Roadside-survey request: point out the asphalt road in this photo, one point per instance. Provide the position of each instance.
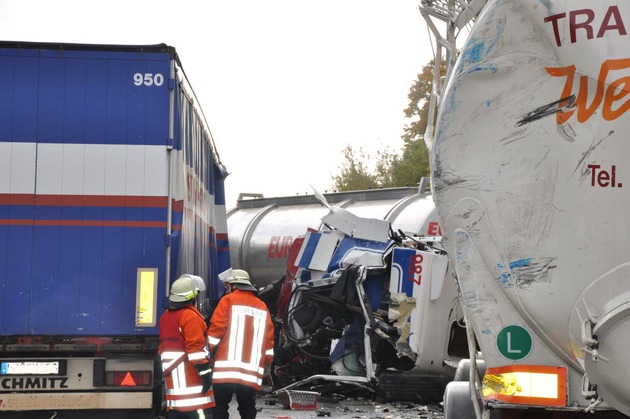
(271, 407)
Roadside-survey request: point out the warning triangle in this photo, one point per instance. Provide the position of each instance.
(128, 380)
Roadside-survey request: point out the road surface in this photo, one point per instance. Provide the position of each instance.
(270, 407)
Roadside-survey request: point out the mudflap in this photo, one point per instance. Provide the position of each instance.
(411, 386)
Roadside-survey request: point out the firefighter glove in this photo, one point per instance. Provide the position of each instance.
(205, 372)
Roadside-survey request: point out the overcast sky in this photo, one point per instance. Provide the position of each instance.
(284, 84)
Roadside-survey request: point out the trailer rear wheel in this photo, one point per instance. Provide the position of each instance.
(457, 401)
(462, 373)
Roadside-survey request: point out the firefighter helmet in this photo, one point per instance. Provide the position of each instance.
(186, 288)
(239, 275)
(240, 278)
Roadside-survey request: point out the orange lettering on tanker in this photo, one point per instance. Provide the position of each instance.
(609, 93)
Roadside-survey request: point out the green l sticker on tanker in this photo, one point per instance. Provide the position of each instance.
(514, 342)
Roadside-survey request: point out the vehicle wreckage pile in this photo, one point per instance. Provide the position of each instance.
(373, 306)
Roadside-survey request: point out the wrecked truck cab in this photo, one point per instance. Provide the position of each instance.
(369, 308)
(262, 230)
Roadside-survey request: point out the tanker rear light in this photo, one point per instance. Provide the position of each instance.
(128, 378)
(526, 384)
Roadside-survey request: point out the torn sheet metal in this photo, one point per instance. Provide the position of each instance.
(416, 280)
(316, 250)
(400, 311)
(320, 198)
(412, 266)
(358, 227)
(400, 308)
(353, 251)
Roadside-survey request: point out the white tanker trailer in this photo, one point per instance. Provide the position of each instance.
(529, 177)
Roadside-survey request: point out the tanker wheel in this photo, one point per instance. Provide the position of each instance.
(457, 401)
(462, 373)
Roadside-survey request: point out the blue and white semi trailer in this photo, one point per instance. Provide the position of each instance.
(110, 188)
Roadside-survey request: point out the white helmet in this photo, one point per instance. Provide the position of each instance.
(186, 288)
(241, 278)
(232, 275)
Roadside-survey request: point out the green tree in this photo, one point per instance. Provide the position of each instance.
(408, 169)
(414, 162)
(355, 174)
(393, 169)
(418, 107)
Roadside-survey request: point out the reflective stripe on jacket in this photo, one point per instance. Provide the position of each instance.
(183, 344)
(241, 327)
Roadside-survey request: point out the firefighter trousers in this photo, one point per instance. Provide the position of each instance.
(245, 396)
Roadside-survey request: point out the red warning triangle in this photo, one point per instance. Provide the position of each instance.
(128, 380)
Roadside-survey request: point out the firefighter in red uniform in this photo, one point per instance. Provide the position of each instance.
(241, 331)
(184, 352)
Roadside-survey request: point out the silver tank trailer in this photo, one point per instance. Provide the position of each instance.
(261, 230)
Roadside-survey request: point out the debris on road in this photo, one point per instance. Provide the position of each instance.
(339, 407)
